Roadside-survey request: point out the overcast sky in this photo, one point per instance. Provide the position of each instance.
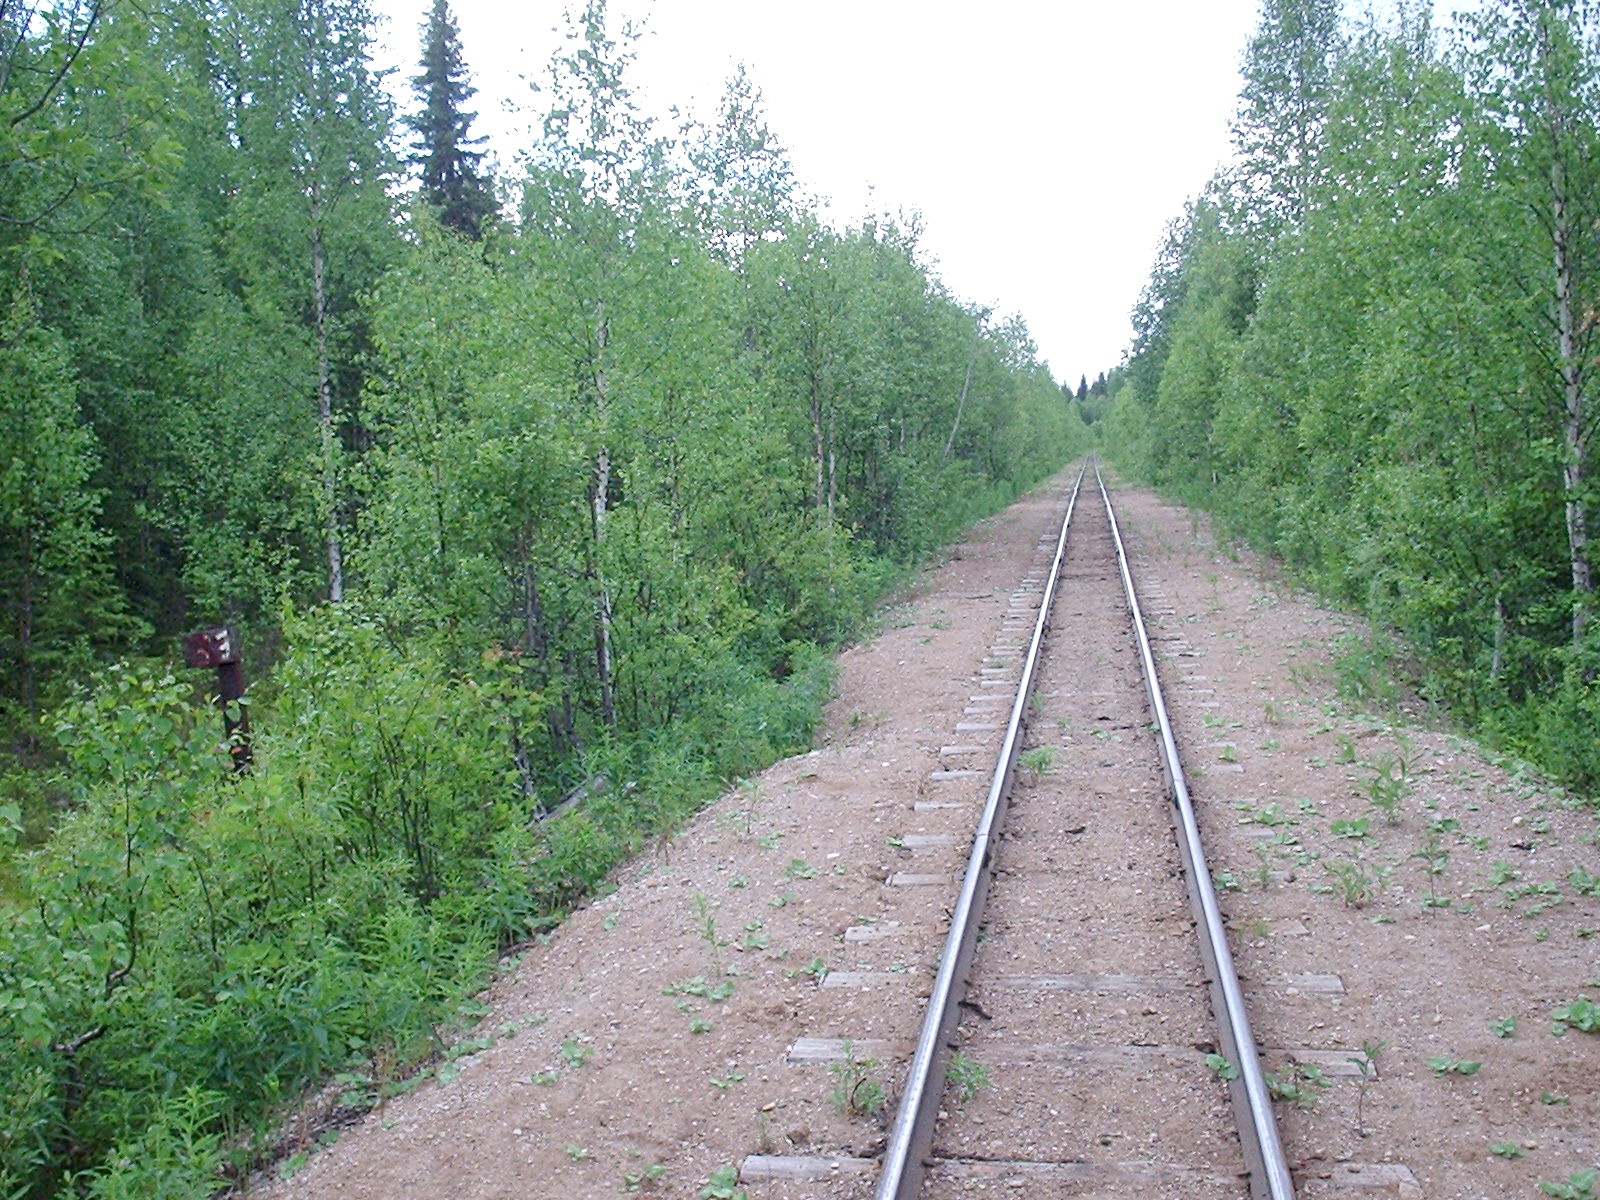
(1046, 144)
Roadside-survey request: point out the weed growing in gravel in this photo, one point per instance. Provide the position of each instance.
(724, 1185)
(1264, 857)
(1269, 815)
(967, 1076)
(1546, 896)
(699, 987)
(1219, 1066)
(799, 868)
(1389, 786)
(1507, 1150)
(1502, 873)
(1366, 1065)
(855, 1093)
(575, 1050)
(1435, 861)
(638, 1181)
(1577, 1186)
(1446, 1064)
(1036, 763)
(1582, 1014)
(1297, 1083)
(576, 1153)
(1504, 1027)
(727, 1081)
(1356, 880)
(705, 924)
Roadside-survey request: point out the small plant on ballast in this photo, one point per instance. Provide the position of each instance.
(1448, 1064)
(1222, 1067)
(1366, 1065)
(1583, 1014)
(705, 924)
(1356, 880)
(1036, 763)
(1389, 786)
(1298, 1083)
(724, 1185)
(855, 1093)
(1577, 1186)
(967, 1076)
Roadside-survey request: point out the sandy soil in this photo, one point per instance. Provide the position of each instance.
(697, 1014)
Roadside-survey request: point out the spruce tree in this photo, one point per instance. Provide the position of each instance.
(452, 180)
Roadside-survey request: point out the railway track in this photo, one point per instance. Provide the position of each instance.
(1088, 1007)
(1085, 1000)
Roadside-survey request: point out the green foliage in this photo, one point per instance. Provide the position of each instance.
(1363, 349)
(1446, 1064)
(1580, 1185)
(855, 1093)
(1297, 1083)
(724, 1185)
(1583, 1014)
(55, 569)
(967, 1076)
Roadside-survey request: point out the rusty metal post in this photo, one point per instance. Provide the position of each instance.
(219, 648)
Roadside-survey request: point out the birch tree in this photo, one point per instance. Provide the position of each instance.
(1538, 65)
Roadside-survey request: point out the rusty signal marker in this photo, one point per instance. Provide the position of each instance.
(219, 648)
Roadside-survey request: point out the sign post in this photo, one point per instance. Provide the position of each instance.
(219, 648)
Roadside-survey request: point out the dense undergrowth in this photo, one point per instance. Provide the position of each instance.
(199, 946)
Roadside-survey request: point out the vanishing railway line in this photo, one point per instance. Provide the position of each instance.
(1086, 960)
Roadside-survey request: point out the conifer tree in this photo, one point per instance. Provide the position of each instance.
(452, 180)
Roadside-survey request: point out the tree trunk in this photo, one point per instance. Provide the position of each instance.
(961, 404)
(1572, 467)
(597, 520)
(330, 474)
(1568, 355)
(818, 494)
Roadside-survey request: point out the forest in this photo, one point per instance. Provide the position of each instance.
(537, 499)
(1368, 347)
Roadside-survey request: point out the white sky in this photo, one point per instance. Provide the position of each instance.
(1046, 144)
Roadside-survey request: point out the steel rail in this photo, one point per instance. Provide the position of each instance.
(1258, 1130)
(911, 1136)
